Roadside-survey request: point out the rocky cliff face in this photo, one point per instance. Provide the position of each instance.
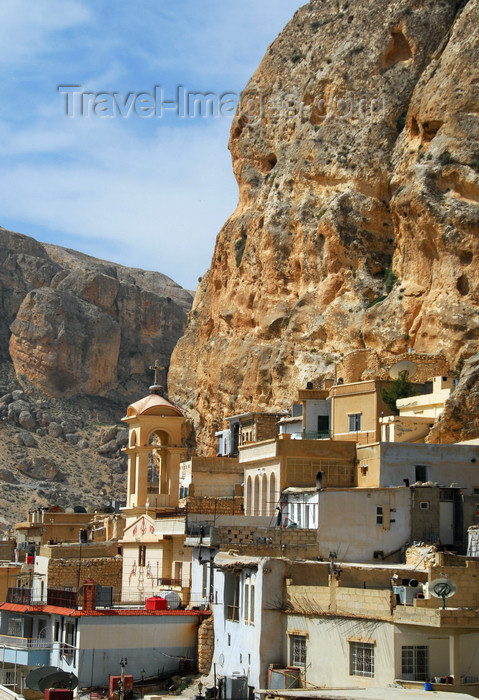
(72, 324)
(77, 336)
(356, 151)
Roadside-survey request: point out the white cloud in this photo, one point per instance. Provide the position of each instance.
(150, 193)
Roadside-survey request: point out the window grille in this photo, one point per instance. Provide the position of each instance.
(361, 659)
(298, 650)
(415, 663)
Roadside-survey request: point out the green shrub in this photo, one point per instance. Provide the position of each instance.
(446, 158)
(401, 388)
(240, 245)
(389, 279)
(375, 301)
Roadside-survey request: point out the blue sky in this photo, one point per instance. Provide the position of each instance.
(143, 191)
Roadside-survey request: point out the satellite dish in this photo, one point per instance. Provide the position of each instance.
(404, 367)
(50, 677)
(442, 588)
(59, 679)
(31, 681)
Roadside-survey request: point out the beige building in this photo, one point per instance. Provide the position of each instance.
(166, 498)
(155, 448)
(54, 524)
(273, 465)
(211, 477)
(356, 411)
(360, 626)
(417, 413)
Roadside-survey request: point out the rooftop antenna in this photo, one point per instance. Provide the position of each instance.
(442, 588)
(156, 387)
(406, 367)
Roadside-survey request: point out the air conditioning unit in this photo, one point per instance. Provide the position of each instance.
(236, 688)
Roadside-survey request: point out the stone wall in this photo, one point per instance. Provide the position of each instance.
(206, 645)
(366, 363)
(268, 542)
(106, 571)
(75, 551)
(232, 505)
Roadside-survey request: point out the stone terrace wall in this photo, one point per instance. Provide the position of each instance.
(206, 645)
(211, 505)
(268, 542)
(106, 571)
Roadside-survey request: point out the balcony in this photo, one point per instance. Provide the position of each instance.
(25, 651)
(55, 596)
(169, 581)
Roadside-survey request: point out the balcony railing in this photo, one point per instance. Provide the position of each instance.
(20, 596)
(62, 599)
(55, 596)
(169, 581)
(321, 435)
(24, 642)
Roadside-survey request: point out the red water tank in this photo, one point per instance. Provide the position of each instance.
(156, 603)
(114, 680)
(58, 694)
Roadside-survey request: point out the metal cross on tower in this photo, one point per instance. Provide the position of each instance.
(157, 387)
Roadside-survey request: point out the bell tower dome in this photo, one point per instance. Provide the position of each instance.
(155, 448)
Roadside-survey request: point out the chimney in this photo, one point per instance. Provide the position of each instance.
(89, 594)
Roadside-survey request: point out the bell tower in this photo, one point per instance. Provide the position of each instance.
(155, 448)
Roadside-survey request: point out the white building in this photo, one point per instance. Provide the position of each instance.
(247, 618)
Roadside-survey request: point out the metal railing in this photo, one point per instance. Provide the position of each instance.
(169, 581)
(55, 596)
(24, 642)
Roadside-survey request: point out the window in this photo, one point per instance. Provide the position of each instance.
(205, 579)
(421, 472)
(15, 627)
(415, 663)
(354, 422)
(141, 555)
(424, 505)
(323, 424)
(178, 573)
(248, 612)
(232, 584)
(379, 515)
(298, 650)
(361, 659)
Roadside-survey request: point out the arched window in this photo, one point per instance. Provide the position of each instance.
(264, 495)
(272, 494)
(256, 503)
(249, 496)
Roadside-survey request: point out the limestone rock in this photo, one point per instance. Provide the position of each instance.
(356, 151)
(27, 440)
(458, 421)
(55, 429)
(26, 420)
(39, 468)
(73, 324)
